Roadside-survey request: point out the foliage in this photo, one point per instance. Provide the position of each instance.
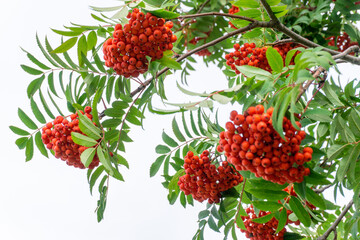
(295, 84)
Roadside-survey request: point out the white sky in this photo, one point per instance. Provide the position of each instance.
(45, 199)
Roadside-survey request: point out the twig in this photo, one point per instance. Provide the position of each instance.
(282, 28)
(202, 6)
(214, 42)
(269, 11)
(320, 190)
(216, 14)
(349, 50)
(332, 228)
(309, 82)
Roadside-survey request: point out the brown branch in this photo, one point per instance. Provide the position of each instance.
(349, 50)
(309, 82)
(320, 190)
(202, 6)
(269, 11)
(209, 44)
(216, 14)
(332, 228)
(282, 28)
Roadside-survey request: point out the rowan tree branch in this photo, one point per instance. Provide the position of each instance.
(216, 14)
(209, 44)
(298, 38)
(202, 6)
(332, 228)
(320, 190)
(269, 11)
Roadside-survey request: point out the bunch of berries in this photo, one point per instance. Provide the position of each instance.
(56, 135)
(204, 181)
(249, 54)
(251, 143)
(260, 231)
(343, 42)
(204, 52)
(233, 10)
(144, 35)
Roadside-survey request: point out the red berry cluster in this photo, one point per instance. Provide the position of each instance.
(204, 52)
(56, 135)
(251, 143)
(204, 181)
(144, 35)
(249, 54)
(233, 10)
(261, 231)
(343, 42)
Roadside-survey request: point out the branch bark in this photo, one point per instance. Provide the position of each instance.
(337, 221)
(214, 42)
(216, 14)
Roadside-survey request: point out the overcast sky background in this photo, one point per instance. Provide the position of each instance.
(46, 199)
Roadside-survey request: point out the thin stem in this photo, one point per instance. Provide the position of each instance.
(332, 228)
(241, 196)
(202, 6)
(320, 190)
(269, 11)
(216, 14)
(209, 44)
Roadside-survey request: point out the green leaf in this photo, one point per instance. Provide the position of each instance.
(282, 220)
(91, 40)
(68, 33)
(65, 46)
(133, 119)
(354, 122)
(177, 132)
(300, 212)
(315, 199)
(203, 214)
(46, 107)
(168, 140)
(162, 149)
(263, 219)
(83, 140)
(39, 116)
(87, 156)
(331, 95)
(267, 206)
(258, 73)
(246, 3)
(222, 99)
(289, 56)
(164, 14)
(95, 176)
(40, 144)
(26, 120)
(267, 194)
(31, 70)
(239, 222)
(29, 150)
(19, 131)
(318, 114)
(105, 161)
(275, 60)
(34, 86)
(156, 165)
(35, 61)
(21, 142)
(170, 63)
(292, 236)
(335, 150)
(212, 224)
(173, 184)
(345, 163)
(47, 56)
(88, 127)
